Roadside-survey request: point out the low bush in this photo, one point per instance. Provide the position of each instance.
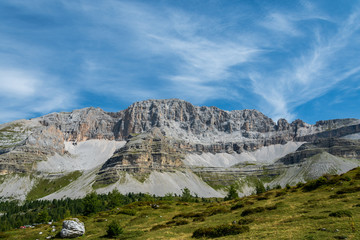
(130, 212)
(178, 222)
(336, 196)
(245, 221)
(348, 190)
(272, 207)
(114, 229)
(250, 211)
(159, 226)
(190, 215)
(260, 198)
(219, 231)
(281, 193)
(181, 222)
(345, 178)
(199, 219)
(237, 206)
(314, 184)
(341, 213)
(217, 210)
(100, 219)
(357, 176)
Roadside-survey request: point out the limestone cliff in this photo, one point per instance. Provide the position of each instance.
(196, 129)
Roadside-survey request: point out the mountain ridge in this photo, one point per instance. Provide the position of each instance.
(169, 134)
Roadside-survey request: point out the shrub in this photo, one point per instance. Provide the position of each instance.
(281, 193)
(345, 178)
(259, 188)
(245, 221)
(314, 184)
(199, 219)
(341, 213)
(335, 196)
(259, 198)
(181, 222)
(348, 190)
(219, 231)
(100, 219)
(114, 229)
(252, 211)
(237, 206)
(189, 215)
(232, 194)
(216, 210)
(130, 212)
(357, 176)
(272, 207)
(177, 223)
(186, 195)
(157, 227)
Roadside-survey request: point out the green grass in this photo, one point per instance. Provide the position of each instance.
(47, 186)
(293, 214)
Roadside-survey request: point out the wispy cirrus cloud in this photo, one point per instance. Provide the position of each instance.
(273, 57)
(193, 61)
(314, 71)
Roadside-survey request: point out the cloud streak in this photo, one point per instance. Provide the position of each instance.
(313, 73)
(57, 56)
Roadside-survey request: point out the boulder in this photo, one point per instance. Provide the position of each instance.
(72, 228)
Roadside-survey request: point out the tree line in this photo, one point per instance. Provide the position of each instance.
(14, 214)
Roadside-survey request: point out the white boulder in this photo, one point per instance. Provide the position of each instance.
(72, 228)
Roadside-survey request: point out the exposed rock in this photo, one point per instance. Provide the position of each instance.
(338, 147)
(160, 133)
(83, 124)
(72, 228)
(144, 152)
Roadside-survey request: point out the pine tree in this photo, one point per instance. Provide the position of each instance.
(232, 193)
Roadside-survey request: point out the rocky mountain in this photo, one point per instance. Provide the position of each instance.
(162, 146)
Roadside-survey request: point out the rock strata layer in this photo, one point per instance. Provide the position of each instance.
(182, 128)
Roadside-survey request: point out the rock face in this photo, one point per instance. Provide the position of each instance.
(161, 133)
(349, 149)
(72, 228)
(143, 153)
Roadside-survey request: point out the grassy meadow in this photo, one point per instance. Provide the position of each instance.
(327, 208)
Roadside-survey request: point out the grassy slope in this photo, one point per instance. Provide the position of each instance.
(46, 186)
(299, 215)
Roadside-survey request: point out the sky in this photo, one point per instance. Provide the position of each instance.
(287, 59)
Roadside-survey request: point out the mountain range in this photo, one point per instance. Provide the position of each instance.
(163, 146)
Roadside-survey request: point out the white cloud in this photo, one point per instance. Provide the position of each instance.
(200, 60)
(313, 73)
(17, 84)
(26, 93)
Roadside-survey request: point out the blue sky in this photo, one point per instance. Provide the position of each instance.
(287, 59)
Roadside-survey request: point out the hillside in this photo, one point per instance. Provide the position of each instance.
(327, 208)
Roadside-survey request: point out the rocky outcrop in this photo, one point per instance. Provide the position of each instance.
(349, 149)
(142, 153)
(83, 124)
(72, 228)
(341, 131)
